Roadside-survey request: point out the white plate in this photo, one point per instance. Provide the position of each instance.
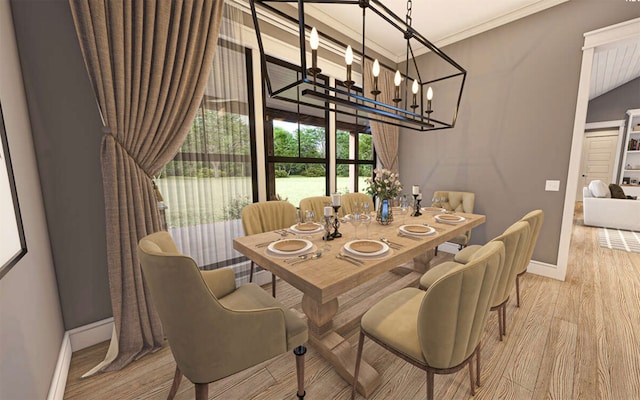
(433, 210)
(407, 229)
(449, 218)
(277, 245)
(319, 228)
(363, 242)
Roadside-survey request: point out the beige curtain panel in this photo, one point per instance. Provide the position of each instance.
(385, 136)
(148, 62)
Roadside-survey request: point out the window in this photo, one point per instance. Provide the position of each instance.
(213, 176)
(296, 142)
(355, 158)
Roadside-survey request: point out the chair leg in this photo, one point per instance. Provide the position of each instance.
(202, 391)
(499, 323)
(478, 366)
(504, 319)
(251, 271)
(177, 377)
(518, 290)
(300, 352)
(436, 252)
(429, 385)
(472, 383)
(357, 370)
(273, 285)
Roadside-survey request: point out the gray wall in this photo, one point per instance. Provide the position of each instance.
(66, 128)
(614, 104)
(516, 119)
(31, 327)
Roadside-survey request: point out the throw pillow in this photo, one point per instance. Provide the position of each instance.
(599, 189)
(616, 191)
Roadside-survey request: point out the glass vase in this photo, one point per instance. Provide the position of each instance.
(384, 212)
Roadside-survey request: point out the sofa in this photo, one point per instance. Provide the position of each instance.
(600, 209)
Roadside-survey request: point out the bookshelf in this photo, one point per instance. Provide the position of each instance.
(630, 171)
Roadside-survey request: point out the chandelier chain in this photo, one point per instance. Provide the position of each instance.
(409, 9)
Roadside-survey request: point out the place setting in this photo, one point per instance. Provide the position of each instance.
(449, 218)
(415, 231)
(359, 251)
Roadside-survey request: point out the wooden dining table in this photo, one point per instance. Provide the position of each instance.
(323, 279)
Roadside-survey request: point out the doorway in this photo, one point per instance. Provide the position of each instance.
(599, 155)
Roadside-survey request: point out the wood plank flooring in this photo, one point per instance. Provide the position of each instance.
(578, 339)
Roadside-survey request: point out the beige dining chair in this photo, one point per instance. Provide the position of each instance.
(535, 219)
(214, 328)
(438, 330)
(457, 202)
(265, 217)
(515, 239)
(316, 204)
(349, 201)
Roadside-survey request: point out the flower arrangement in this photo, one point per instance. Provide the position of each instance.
(385, 184)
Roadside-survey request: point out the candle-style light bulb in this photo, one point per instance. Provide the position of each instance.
(376, 68)
(375, 71)
(414, 90)
(314, 41)
(348, 58)
(429, 97)
(397, 80)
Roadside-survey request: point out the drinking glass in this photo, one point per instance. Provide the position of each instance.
(435, 201)
(366, 221)
(404, 205)
(309, 216)
(355, 220)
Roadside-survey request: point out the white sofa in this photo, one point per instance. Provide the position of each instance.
(610, 213)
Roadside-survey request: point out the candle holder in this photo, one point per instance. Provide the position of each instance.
(336, 223)
(416, 202)
(327, 229)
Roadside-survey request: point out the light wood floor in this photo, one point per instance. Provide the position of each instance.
(578, 339)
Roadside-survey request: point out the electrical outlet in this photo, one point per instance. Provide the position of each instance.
(552, 186)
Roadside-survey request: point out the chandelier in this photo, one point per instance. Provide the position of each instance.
(351, 77)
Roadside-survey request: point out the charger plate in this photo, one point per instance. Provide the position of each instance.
(417, 230)
(289, 247)
(367, 248)
(449, 218)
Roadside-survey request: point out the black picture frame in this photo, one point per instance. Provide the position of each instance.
(12, 250)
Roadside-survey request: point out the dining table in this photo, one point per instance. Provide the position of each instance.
(327, 269)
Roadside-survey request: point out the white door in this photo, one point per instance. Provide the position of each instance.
(598, 159)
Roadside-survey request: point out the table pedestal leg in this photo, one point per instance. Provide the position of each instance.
(422, 263)
(335, 348)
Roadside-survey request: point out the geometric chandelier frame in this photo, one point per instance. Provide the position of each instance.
(408, 103)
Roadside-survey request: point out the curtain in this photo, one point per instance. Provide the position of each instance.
(148, 63)
(385, 136)
(208, 182)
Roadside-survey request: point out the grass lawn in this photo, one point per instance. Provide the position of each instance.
(194, 201)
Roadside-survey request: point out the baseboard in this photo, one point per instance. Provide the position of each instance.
(74, 340)
(59, 380)
(88, 335)
(546, 270)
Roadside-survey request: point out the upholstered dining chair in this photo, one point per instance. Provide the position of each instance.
(515, 239)
(438, 330)
(535, 219)
(264, 217)
(315, 204)
(350, 200)
(457, 202)
(215, 329)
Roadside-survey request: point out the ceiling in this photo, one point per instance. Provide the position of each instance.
(447, 21)
(614, 65)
